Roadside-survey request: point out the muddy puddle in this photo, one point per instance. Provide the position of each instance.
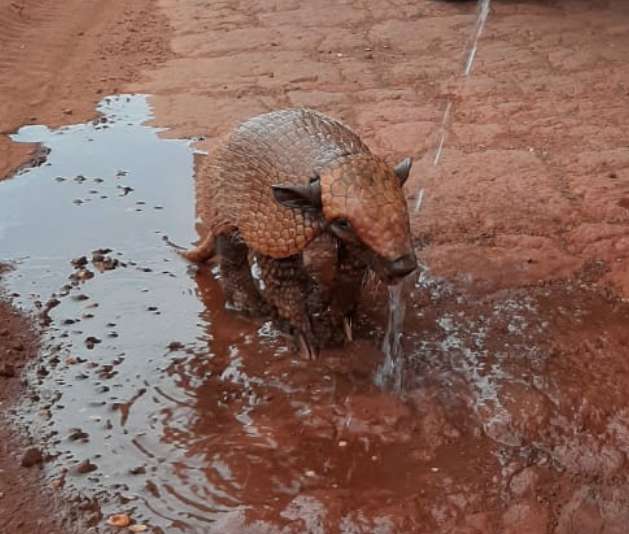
(155, 400)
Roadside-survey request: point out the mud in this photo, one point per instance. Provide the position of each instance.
(152, 400)
(27, 502)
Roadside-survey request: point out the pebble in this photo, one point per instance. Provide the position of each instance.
(91, 341)
(7, 371)
(32, 456)
(140, 470)
(77, 433)
(119, 520)
(86, 467)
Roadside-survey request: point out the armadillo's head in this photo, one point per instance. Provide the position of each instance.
(361, 200)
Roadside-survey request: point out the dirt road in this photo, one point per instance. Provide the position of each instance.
(516, 415)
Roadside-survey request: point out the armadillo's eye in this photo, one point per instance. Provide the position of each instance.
(343, 224)
(342, 228)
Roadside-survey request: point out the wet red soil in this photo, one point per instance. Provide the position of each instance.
(515, 418)
(27, 502)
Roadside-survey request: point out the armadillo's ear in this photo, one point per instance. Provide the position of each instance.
(403, 169)
(305, 197)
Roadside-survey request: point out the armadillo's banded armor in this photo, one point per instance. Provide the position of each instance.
(281, 147)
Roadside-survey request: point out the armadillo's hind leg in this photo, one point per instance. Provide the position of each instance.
(284, 284)
(202, 252)
(240, 292)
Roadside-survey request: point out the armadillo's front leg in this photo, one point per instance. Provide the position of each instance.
(350, 276)
(285, 284)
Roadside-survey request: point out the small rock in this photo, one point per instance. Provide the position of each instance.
(85, 274)
(119, 520)
(138, 528)
(7, 371)
(175, 345)
(86, 467)
(78, 434)
(91, 341)
(67, 111)
(32, 456)
(140, 470)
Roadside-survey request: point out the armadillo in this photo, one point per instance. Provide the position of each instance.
(286, 180)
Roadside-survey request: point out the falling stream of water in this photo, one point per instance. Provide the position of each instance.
(391, 372)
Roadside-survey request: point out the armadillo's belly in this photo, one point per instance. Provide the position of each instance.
(281, 147)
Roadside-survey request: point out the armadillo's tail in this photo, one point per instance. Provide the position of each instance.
(202, 252)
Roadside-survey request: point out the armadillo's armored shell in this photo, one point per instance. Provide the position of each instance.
(282, 147)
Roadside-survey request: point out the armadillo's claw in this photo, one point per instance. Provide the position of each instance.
(347, 326)
(307, 349)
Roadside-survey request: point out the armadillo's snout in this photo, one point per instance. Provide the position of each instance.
(401, 267)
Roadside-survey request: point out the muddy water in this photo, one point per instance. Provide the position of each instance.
(159, 402)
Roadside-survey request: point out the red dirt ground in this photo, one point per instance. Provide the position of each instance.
(22, 507)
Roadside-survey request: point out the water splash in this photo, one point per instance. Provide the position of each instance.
(470, 55)
(483, 13)
(390, 374)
